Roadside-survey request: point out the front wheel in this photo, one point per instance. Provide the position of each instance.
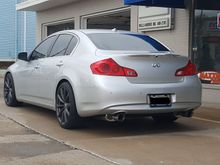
(66, 111)
(9, 91)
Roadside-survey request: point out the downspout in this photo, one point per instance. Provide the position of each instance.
(191, 28)
(16, 34)
(25, 31)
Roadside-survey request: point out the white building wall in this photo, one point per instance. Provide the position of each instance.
(178, 38)
(180, 34)
(75, 10)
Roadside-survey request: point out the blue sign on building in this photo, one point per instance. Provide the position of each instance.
(17, 30)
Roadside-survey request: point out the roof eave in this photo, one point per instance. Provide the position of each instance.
(38, 5)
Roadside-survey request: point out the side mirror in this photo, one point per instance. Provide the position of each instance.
(23, 56)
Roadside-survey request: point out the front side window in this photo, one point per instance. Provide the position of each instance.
(43, 49)
(61, 45)
(126, 42)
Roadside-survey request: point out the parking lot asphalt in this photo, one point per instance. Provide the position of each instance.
(189, 141)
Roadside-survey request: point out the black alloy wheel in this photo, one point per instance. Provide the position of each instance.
(66, 108)
(9, 91)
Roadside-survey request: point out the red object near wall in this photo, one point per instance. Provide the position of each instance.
(210, 77)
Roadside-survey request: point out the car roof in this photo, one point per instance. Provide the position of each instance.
(93, 31)
(107, 31)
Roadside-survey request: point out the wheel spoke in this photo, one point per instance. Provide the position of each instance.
(6, 84)
(65, 116)
(6, 92)
(62, 94)
(9, 97)
(60, 99)
(68, 105)
(67, 96)
(6, 89)
(60, 105)
(5, 95)
(67, 111)
(60, 111)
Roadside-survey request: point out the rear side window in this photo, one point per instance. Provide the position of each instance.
(61, 45)
(71, 46)
(126, 42)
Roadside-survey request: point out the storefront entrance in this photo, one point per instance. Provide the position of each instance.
(207, 45)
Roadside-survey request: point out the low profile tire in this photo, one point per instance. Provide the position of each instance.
(66, 111)
(164, 118)
(9, 92)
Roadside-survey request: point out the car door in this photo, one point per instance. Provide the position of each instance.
(51, 69)
(30, 72)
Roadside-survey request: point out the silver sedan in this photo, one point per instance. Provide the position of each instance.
(109, 73)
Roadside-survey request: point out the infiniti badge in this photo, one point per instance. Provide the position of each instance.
(156, 65)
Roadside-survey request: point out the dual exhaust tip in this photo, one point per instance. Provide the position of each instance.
(116, 117)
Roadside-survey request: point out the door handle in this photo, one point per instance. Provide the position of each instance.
(60, 64)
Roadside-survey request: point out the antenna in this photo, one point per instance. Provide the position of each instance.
(114, 30)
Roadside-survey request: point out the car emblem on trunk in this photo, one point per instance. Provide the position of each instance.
(156, 65)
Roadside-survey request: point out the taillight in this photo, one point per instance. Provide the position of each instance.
(109, 67)
(188, 70)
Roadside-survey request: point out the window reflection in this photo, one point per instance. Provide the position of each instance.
(207, 42)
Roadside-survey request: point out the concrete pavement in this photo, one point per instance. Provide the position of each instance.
(189, 141)
(22, 146)
(140, 141)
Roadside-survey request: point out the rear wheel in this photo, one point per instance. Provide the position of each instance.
(66, 111)
(164, 118)
(9, 91)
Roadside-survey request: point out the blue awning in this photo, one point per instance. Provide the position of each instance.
(199, 4)
(159, 3)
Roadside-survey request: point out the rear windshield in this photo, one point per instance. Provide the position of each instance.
(127, 42)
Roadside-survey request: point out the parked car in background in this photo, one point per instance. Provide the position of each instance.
(87, 73)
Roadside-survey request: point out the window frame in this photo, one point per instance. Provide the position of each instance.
(73, 35)
(77, 43)
(49, 54)
(83, 18)
(31, 55)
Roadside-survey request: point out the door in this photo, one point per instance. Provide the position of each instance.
(51, 68)
(30, 72)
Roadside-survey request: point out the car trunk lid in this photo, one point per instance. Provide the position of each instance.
(150, 67)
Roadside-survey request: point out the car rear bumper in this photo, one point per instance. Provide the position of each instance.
(146, 109)
(108, 97)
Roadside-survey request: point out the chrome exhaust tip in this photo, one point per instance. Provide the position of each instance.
(120, 116)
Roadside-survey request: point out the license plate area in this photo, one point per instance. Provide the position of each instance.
(160, 100)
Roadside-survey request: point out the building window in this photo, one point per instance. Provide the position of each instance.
(207, 46)
(58, 27)
(119, 19)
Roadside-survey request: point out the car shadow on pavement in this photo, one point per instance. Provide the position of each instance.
(130, 127)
